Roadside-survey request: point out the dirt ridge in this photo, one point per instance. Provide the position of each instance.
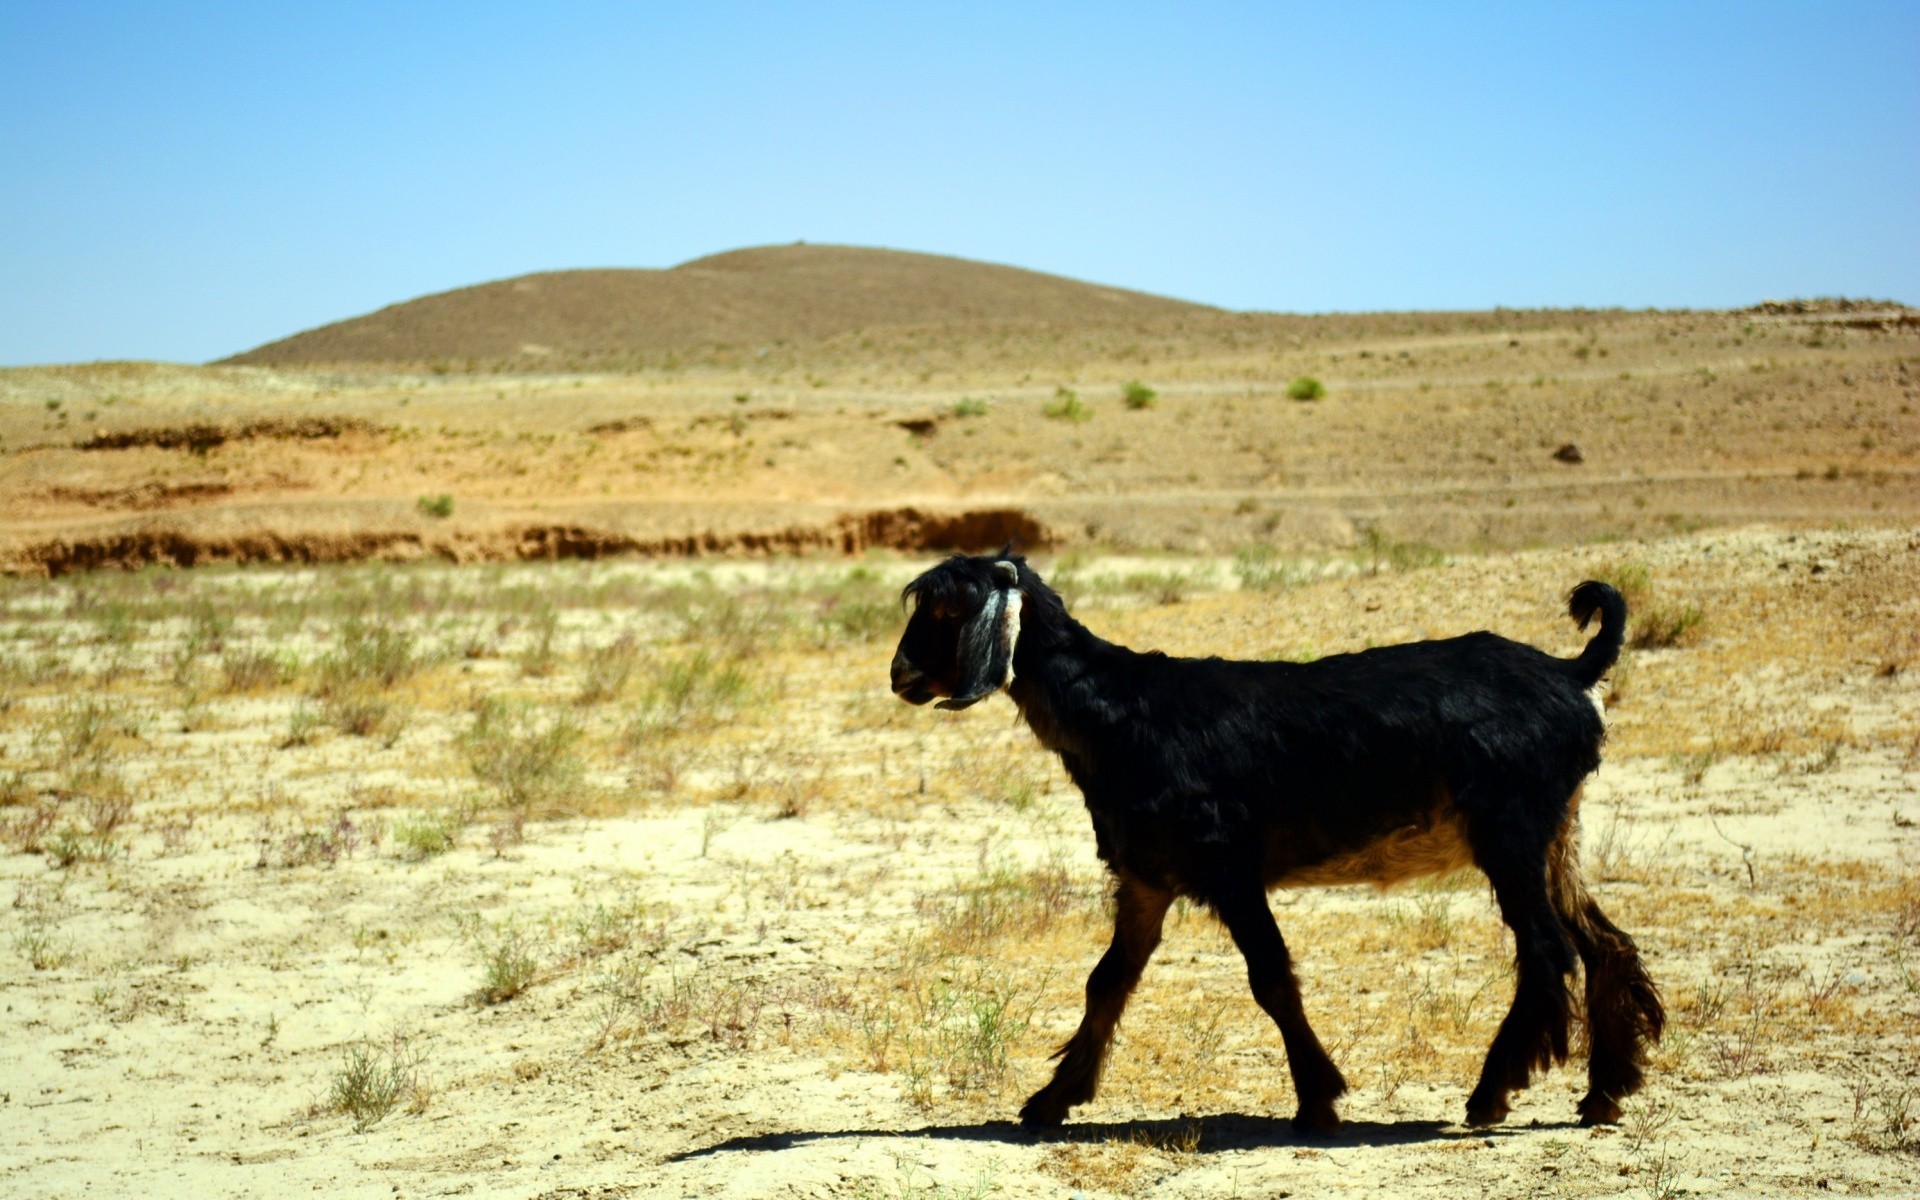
(201, 436)
(910, 529)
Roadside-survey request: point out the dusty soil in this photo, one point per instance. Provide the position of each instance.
(629, 878)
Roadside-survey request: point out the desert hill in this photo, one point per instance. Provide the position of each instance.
(750, 298)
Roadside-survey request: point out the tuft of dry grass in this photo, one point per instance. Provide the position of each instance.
(376, 1077)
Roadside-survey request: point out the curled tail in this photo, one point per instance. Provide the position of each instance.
(1601, 653)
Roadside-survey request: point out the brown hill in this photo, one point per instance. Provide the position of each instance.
(755, 297)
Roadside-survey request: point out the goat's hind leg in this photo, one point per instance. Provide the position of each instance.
(1139, 913)
(1534, 1034)
(1316, 1081)
(1623, 1008)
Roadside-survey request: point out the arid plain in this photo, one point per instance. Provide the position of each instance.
(509, 800)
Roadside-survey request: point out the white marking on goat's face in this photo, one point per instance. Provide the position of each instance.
(1010, 633)
(1010, 622)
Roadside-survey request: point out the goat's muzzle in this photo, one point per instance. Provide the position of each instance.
(909, 682)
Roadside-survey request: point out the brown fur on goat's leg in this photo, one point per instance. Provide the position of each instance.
(1139, 913)
(1534, 1034)
(1623, 1008)
(1316, 1081)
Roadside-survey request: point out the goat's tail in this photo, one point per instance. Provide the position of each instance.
(1601, 653)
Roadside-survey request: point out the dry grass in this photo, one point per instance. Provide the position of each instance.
(731, 856)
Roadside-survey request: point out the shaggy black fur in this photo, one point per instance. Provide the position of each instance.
(1218, 779)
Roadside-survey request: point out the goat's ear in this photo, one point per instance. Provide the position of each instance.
(983, 657)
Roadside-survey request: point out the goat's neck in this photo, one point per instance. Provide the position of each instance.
(1056, 667)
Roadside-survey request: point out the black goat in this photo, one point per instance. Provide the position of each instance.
(1219, 780)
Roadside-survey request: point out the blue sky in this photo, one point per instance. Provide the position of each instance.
(186, 181)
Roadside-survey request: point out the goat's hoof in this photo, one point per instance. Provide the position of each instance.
(1317, 1119)
(1487, 1112)
(1042, 1113)
(1596, 1109)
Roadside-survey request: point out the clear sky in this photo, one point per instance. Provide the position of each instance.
(184, 181)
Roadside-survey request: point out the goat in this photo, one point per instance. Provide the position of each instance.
(1219, 780)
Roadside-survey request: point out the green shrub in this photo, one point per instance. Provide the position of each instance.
(439, 507)
(1306, 387)
(1262, 568)
(1066, 405)
(540, 657)
(1663, 626)
(1632, 580)
(368, 653)
(422, 835)
(970, 407)
(254, 670)
(609, 670)
(1385, 551)
(1138, 395)
(528, 764)
(507, 963)
(373, 1080)
(364, 712)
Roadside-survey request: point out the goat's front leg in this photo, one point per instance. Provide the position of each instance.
(1316, 1081)
(1139, 912)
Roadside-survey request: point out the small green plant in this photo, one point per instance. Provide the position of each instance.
(91, 730)
(41, 947)
(859, 608)
(542, 654)
(1428, 921)
(423, 835)
(1384, 551)
(1264, 569)
(255, 670)
(609, 670)
(529, 765)
(1306, 387)
(68, 845)
(374, 1079)
(364, 712)
(1633, 580)
(1066, 405)
(369, 653)
(1139, 396)
(1662, 627)
(304, 724)
(697, 691)
(969, 406)
(438, 507)
(507, 963)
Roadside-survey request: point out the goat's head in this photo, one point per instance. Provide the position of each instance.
(959, 641)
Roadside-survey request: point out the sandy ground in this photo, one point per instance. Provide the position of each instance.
(784, 936)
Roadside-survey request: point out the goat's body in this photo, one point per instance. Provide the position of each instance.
(1220, 780)
(1358, 768)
